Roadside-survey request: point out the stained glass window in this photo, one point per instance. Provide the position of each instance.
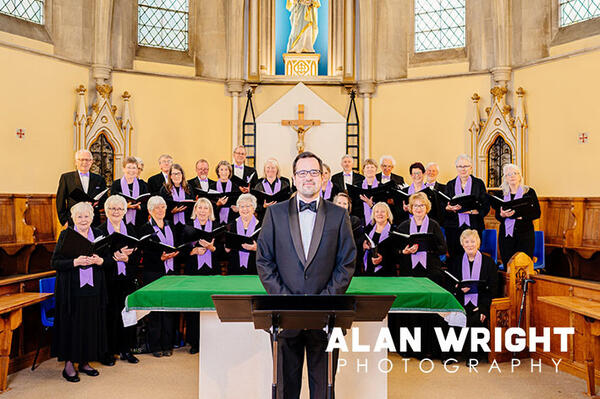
(439, 24)
(573, 11)
(498, 155)
(163, 24)
(30, 10)
(104, 159)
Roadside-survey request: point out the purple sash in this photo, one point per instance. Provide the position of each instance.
(419, 256)
(463, 218)
(178, 195)
(412, 189)
(384, 234)
(468, 274)
(130, 215)
(509, 223)
(224, 211)
(328, 187)
(268, 189)
(205, 259)
(166, 239)
(366, 209)
(121, 269)
(245, 255)
(86, 276)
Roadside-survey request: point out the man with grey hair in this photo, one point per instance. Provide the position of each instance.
(155, 183)
(90, 183)
(387, 164)
(432, 171)
(347, 175)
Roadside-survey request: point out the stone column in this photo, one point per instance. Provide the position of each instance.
(267, 38)
(349, 24)
(101, 66)
(366, 75)
(253, 41)
(501, 72)
(235, 60)
(366, 90)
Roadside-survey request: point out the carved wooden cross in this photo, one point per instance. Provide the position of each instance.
(299, 126)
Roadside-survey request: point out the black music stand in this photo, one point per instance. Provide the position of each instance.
(297, 312)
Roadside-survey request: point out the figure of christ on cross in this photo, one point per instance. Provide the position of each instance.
(301, 126)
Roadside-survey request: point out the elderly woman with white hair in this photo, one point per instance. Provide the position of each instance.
(243, 261)
(385, 261)
(80, 323)
(456, 220)
(156, 263)
(516, 233)
(120, 281)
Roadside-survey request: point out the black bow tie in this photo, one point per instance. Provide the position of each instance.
(311, 206)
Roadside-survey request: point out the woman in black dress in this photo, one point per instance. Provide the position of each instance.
(80, 323)
(176, 189)
(385, 261)
(132, 186)
(516, 234)
(343, 200)
(224, 212)
(328, 190)
(271, 183)
(243, 261)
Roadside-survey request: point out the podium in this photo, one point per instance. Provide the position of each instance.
(295, 312)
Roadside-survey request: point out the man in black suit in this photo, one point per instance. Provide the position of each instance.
(387, 164)
(91, 184)
(246, 173)
(347, 175)
(201, 182)
(305, 247)
(155, 183)
(431, 173)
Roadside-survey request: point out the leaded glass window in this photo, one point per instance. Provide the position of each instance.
(30, 10)
(573, 11)
(104, 158)
(498, 155)
(163, 24)
(439, 24)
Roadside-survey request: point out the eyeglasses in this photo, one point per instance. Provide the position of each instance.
(85, 160)
(313, 172)
(239, 153)
(175, 173)
(419, 206)
(115, 209)
(463, 166)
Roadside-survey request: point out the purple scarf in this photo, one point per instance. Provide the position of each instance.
(268, 189)
(366, 209)
(166, 238)
(130, 215)
(86, 276)
(224, 211)
(412, 190)
(205, 259)
(463, 218)
(245, 255)
(121, 269)
(419, 256)
(384, 234)
(328, 187)
(468, 274)
(509, 223)
(178, 195)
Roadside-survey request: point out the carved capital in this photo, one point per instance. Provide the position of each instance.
(501, 75)
(101, 73)
(366, 87)
(235, 87)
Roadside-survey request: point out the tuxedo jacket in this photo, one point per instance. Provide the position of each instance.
(195, 184)
(280, 260)
(249, 171)
(399, 180)
(155, 183)
(70, 181)
(338, 180)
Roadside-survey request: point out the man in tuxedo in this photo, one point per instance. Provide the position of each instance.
(201, 182)
(155, 183)
(387, 164)
(431, 173)
(305, 247)
(347, 175)
(246, 173)
(90, 183)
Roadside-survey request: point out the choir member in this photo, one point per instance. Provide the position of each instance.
(80, 322)
(417, 174)
(202, 261)
(201, 181)
(244, 261)
(432, 171)
(456, 221)
(155, 183)
(241, 170)
(328, 190)
(140, 164)
(363, 211)
(343, 200)
(131, 186)
(516, 234)
(161, 325)
(387, 164)
(347, 175)
(119, 271)
(91, 184)
(271, 183)
(379, 228)
(177, 189)
(225, 185)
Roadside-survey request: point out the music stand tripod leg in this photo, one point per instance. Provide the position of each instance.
(330, 325)
(274, 333)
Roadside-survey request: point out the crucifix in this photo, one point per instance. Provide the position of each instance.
(301, 126)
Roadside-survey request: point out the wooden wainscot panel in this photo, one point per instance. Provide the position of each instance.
(557, 219)
(40, 215)
(8, 233)
(591, 224)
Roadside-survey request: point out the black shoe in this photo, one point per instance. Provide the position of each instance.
(91, 372)
(74, 378)
(129, 357)
(193, 350)
(168, 352)
(108, 360)
(157, 354)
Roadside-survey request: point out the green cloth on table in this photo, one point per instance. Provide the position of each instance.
(193, 293)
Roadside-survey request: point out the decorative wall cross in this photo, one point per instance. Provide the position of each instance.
(301, 126)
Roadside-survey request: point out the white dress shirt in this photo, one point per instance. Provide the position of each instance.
(385, 179)
(85, 181)
(203, 184)
(237, 171)
(347, 179)
(306, 220)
